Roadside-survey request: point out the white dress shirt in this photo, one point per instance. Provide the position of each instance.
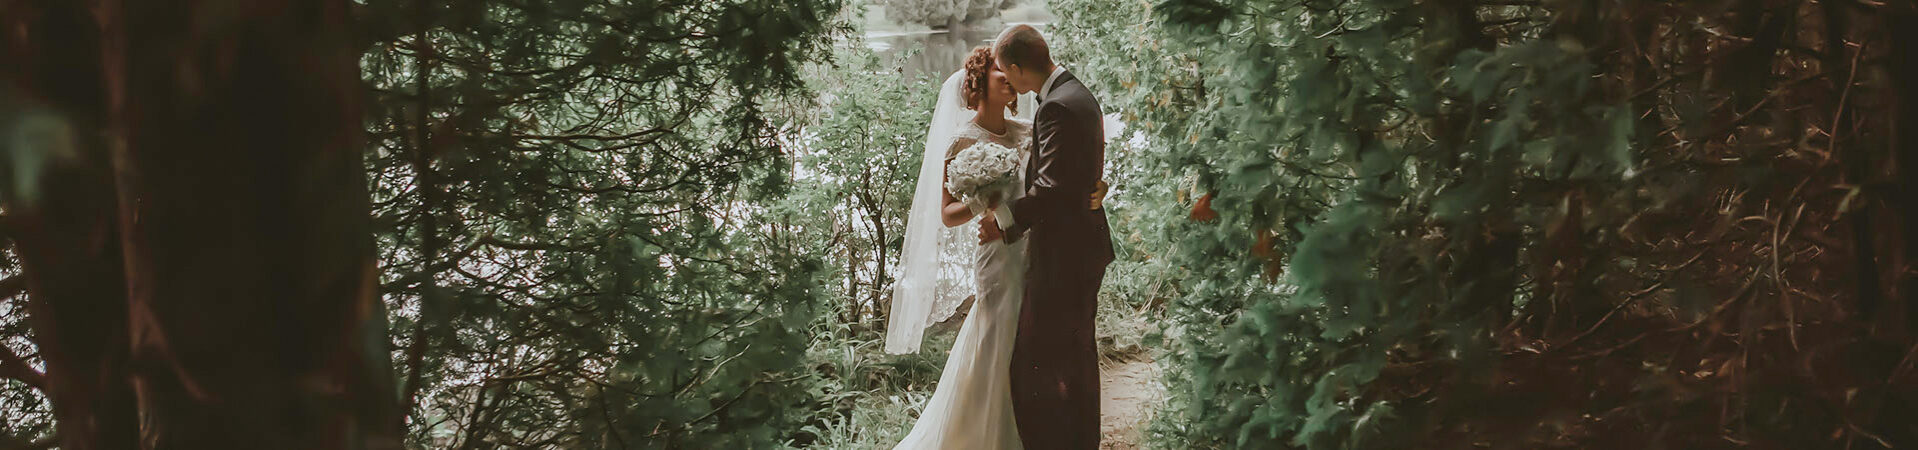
(1047, 88)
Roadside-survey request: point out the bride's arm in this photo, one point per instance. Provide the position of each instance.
(953, 212)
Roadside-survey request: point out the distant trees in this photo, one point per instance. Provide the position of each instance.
(856, 169)
(944, 13)
(575, 205)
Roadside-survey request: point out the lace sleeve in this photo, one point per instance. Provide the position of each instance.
(1020, 126)
(955, 282)
(959, 144)
(1019, 131)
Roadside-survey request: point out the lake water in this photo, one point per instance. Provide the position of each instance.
(945, 51)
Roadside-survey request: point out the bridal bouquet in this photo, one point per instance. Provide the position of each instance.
(982, 173)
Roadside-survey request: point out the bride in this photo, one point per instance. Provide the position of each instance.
(972, 406)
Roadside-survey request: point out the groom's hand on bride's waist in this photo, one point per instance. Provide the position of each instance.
(1098, 196)
(989, 229)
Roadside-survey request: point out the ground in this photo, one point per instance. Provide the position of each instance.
(1131, 392)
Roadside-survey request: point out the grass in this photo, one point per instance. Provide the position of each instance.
(1131, 310)
(868, 398)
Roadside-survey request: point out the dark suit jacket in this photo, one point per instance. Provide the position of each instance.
(1054, 367)
(1068, 160)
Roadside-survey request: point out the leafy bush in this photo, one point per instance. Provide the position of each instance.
(577, 218)
(1515, 224)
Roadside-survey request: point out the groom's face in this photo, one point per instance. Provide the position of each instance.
(1020, 78)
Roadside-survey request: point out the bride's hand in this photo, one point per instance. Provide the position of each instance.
(989, 230)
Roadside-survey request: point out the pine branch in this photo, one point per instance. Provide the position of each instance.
(12, 366)
(12, 286)
(21, 443)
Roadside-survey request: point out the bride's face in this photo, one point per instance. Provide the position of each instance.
(998, 90)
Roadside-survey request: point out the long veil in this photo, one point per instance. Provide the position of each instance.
(933, 266)
(936, 265)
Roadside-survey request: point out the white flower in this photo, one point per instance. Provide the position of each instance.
(982, 172)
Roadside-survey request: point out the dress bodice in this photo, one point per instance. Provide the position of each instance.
(1018, 136)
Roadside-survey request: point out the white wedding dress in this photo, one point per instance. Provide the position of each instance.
(972, 406)
(939, 267)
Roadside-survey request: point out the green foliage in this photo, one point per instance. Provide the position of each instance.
(861, 144)
(573, 200)
(34, 141)
(1359, 224)
(857, 161)
(28, 416)
(866, 398)
(1459, 224)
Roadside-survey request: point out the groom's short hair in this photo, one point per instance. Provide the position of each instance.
(1022, 45)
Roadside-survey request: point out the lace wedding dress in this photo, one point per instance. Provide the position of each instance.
(972, 406)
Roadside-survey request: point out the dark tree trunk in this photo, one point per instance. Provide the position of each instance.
(236, 134)
(1840, 69)
(879, 267)
(852, 285)
(430, 200)
(61, 220)
(1902, 59)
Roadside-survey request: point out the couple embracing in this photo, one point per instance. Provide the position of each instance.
(1023, 371)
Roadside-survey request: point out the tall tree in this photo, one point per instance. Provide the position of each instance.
(573, 200)
(60, 220)
(254, 313)
(219, 284)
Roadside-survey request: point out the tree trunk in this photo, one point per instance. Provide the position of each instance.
(1902, 59)
(879, 264)
(254, 318)
(430, 199)
(61, 219)
(852, 285)
(1839, 67)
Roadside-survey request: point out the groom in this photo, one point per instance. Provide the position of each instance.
(1055, 363)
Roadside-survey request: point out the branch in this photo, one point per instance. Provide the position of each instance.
(594, 137)
(21, 443)
(12, 286)
(14, 367)
(1629, 299)
(491, 241)
(429, 270)
(374, 28)
(722, 407)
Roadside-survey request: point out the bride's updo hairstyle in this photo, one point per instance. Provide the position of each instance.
(979, 66)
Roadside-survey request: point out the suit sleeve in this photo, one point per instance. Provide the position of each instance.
(1060, 179)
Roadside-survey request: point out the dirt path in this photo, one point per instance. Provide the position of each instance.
(1132, 393)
